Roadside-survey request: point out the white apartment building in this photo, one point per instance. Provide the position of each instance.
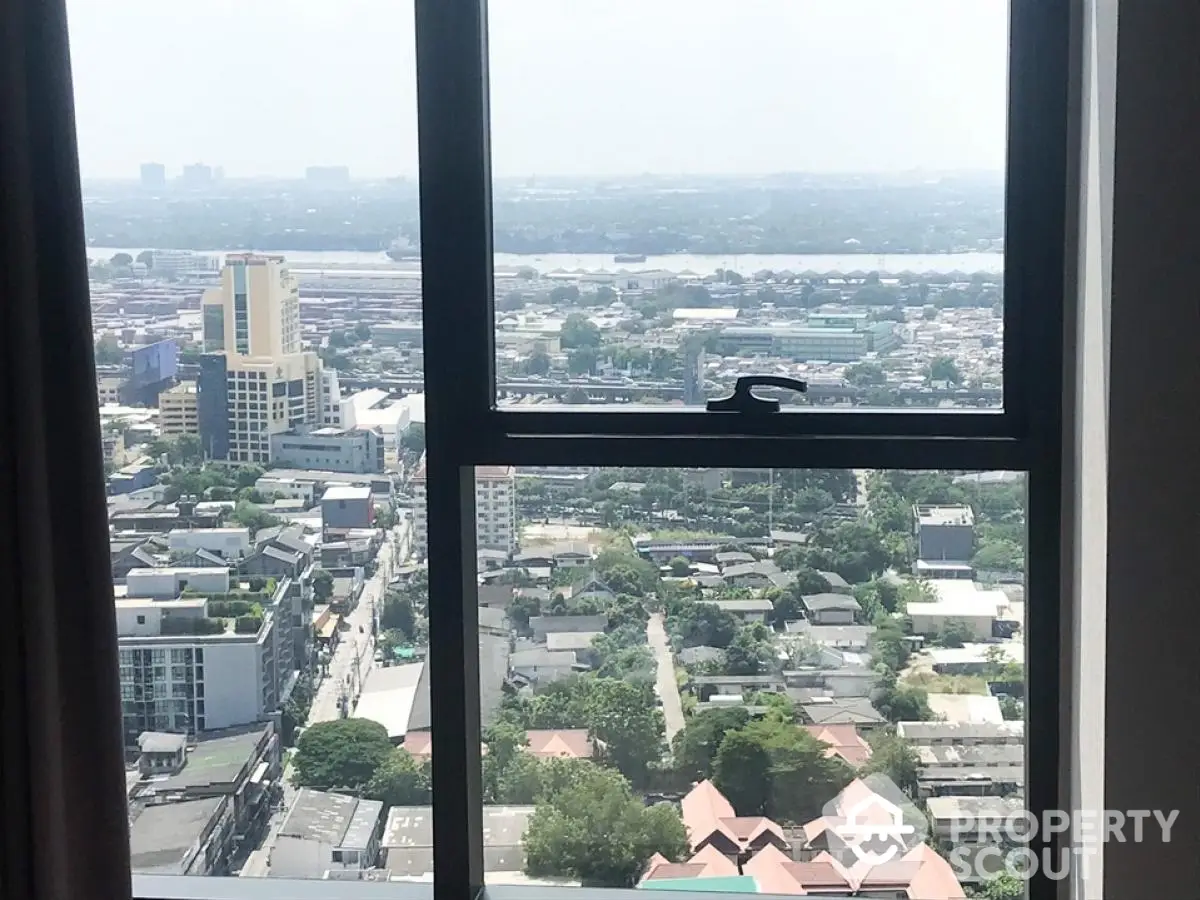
(495, 509)
(179, 410)
(176, 678)
(266, 384)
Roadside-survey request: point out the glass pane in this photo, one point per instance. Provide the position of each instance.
(811, 189)
(719, 665)
(260, 515)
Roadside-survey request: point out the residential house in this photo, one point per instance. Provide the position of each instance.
(750, 574)
(856, 711)
(748, 611)
(830, 609)
(589, 586)
(323, 832)
(571, 555)
(711, 821)
(854, 638)
(497, 596)
(962, 734)
(539, 666)
(843, 741)
(837, 583)
(544, 625)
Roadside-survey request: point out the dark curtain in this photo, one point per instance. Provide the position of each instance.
(63, 825)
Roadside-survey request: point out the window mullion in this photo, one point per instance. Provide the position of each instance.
(456, 263)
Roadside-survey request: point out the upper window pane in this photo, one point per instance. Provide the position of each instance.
(686, 192)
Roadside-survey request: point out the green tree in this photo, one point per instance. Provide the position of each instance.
(703, 625)
(505, 742)
(521, 609)
(576, 396)
(864, 374)
(955, 633)
(108, 351)
(750, 652)
(400, 780)
(894, 757)
(695, 748)
(564, 293)
(343, 753)
(322, 584)
(538, 362)
(362, 331)
(121, 261)
(889, 648)
(146, 258)
(578, 331)
(252, 516)
(680, 567)
(1004, 886)
(899, 703)
(943, 369)
(742, 772)
(599, 833)
(582, 361)
(398, 614)
(385, 517)
(510, 302)
(626, 718)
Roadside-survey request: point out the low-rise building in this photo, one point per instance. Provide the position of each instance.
(352, 450)
(347, 506)
(326, 832)
(185, 671)
(169, 582)
(199, 806)
(407, 846)
(228, 543)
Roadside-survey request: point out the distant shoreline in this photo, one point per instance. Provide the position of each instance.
(967, 262)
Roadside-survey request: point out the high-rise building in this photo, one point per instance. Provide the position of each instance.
(196, 175)
(495, 509)
(154, 175)
(254, 380)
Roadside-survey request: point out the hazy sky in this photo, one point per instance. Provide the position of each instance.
(266, 87)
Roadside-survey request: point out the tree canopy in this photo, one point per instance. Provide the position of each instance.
(401, 780)
(343, 753)
(597, 831)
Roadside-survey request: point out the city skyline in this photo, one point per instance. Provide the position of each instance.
(921, 88)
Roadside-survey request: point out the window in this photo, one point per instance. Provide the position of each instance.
(568, 330)
(479, 414)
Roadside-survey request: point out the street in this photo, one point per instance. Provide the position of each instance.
(665, 684)
(354, 655)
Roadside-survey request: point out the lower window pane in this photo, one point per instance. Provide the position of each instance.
(703, 679)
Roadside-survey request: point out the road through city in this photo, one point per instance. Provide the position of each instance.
(665, 684)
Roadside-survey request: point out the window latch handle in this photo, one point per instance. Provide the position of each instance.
(743, 400)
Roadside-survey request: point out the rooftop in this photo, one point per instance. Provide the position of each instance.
(944, 515)
(162, 835)
(333, 819)
(346, 492)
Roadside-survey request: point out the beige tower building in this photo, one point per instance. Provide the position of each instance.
(255, 381)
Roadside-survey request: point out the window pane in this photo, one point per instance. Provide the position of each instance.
(810, 189)
(705, 661)
(235, 333)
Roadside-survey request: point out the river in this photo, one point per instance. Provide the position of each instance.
(701, 264)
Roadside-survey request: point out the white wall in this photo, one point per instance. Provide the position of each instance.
(165, 583)
(227, 542)
(232, 683)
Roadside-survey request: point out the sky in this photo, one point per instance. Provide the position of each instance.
(578, 87)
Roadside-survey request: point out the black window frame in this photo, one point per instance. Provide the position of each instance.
(464, 429)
